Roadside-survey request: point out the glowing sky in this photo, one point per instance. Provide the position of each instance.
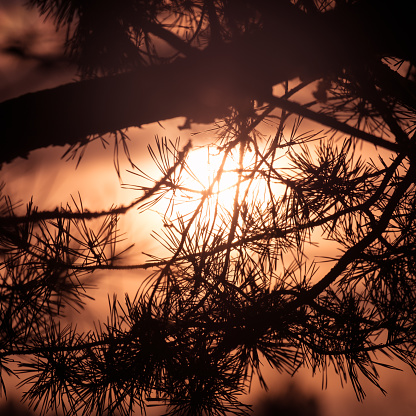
(52, 181)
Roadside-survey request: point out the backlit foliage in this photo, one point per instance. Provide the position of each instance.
(237, 287)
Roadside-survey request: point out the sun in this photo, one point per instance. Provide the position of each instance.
(209, 176)
(213, 175)
(212, 184)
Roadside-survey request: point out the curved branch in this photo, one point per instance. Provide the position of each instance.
(203, 86)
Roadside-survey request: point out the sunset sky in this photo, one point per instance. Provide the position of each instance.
(53, 181)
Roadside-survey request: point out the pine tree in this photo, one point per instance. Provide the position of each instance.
(237, 288)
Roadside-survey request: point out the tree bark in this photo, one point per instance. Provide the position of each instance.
(203, 86)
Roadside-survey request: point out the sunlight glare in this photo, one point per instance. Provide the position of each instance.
(203, 167)
(210, 172)
(208, 182)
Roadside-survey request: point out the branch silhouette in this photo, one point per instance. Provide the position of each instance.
(134, 98)
(236, 286)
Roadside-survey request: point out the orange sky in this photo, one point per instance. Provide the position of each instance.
(52, 181)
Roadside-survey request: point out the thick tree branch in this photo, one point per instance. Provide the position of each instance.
(200, 87)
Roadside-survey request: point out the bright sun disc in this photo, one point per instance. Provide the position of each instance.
(204, 166)
(214, 178)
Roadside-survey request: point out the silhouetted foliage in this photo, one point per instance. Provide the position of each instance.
(237, 288)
